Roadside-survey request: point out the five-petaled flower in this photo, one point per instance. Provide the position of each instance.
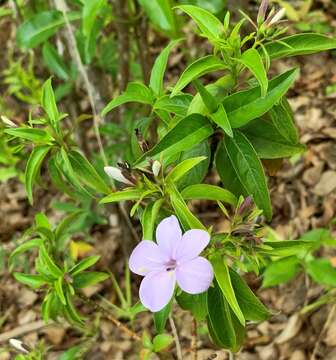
(174, 258)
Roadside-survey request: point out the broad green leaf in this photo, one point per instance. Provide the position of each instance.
(40, 27)
(249, 170)
(209, 25)
(161, 15)
(149, 218)
(31, 134)
(224, 327)
(49, 103)
(282, 118)
(84, 264)
(54, 61)
(190, 131)
(221, 119)
(286, 247)
(162, 341)
(244, 106)
(33, 168)
(197, 69)
(182, 168)
(135, 92)
(123, 195)
(268, 142)
(87, 173)
(253, 61)
(208, 192)
(159, 68)
(252, 308)
(198, 173)
(222, 275)
(196, 304)
(281, 271)
(33, 281)
(42, 221)
(322, 271)
(227, 172)
(299, 44)
(208, 99)
(319, 237)
(161, 317)
(88, 278)
(188, 220)
(178, 104)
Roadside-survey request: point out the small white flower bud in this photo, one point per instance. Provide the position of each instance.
(116, 174)
(7, 121)
(18, 345)
(277, 17)
(156, 167)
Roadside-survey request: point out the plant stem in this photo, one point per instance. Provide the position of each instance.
(176, 338)
(194, 340)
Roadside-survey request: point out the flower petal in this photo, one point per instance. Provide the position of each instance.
(192, 244)
(146, 257)
(156, 289)
(168, 235)
(194, 276)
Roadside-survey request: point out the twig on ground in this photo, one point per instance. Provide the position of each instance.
(176, 338)
(193, 344)
(323, 331)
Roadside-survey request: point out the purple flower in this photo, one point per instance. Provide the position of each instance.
(175, 258)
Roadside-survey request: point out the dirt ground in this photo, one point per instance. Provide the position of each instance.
(303, 194)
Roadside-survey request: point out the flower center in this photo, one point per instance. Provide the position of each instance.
(171, 265)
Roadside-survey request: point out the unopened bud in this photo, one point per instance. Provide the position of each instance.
(246, 206)
(7, 121)
(156, 167)
(18, 345)
(262, 11)
(116, 174)
(276, 17)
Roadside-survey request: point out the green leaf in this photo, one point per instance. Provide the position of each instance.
(40, 27)
(33, 168)
(244, 106)
(33, 281)
(281, 271)
(208, 192)
(222, 275)
(84, 264)
(322, 271)
(197, 69)
(28, 245)
(249, 170)
(127, 194)
(161, 317)
(86, 278)
(299, 44)
(53, 269)
(177, 104)
(87, 173)
(209, 25)
(221, 119)
(54, 61)
(268, 142)
(253, 61)
(286, 247)
(188, 220)
(282, 118)
(190, 131)
(90, 11)
(182, 168)
(252, 308)
(70, 311)
(72, 353)
(208, 99)
(135, 92)
(161, 15)
(224, 328)
(159, 68)
(31, 134)
(64, 228)
(49, 103)
(227, 172)
(149, 218)
(196, 304)
(162, 341)
(58, 285)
